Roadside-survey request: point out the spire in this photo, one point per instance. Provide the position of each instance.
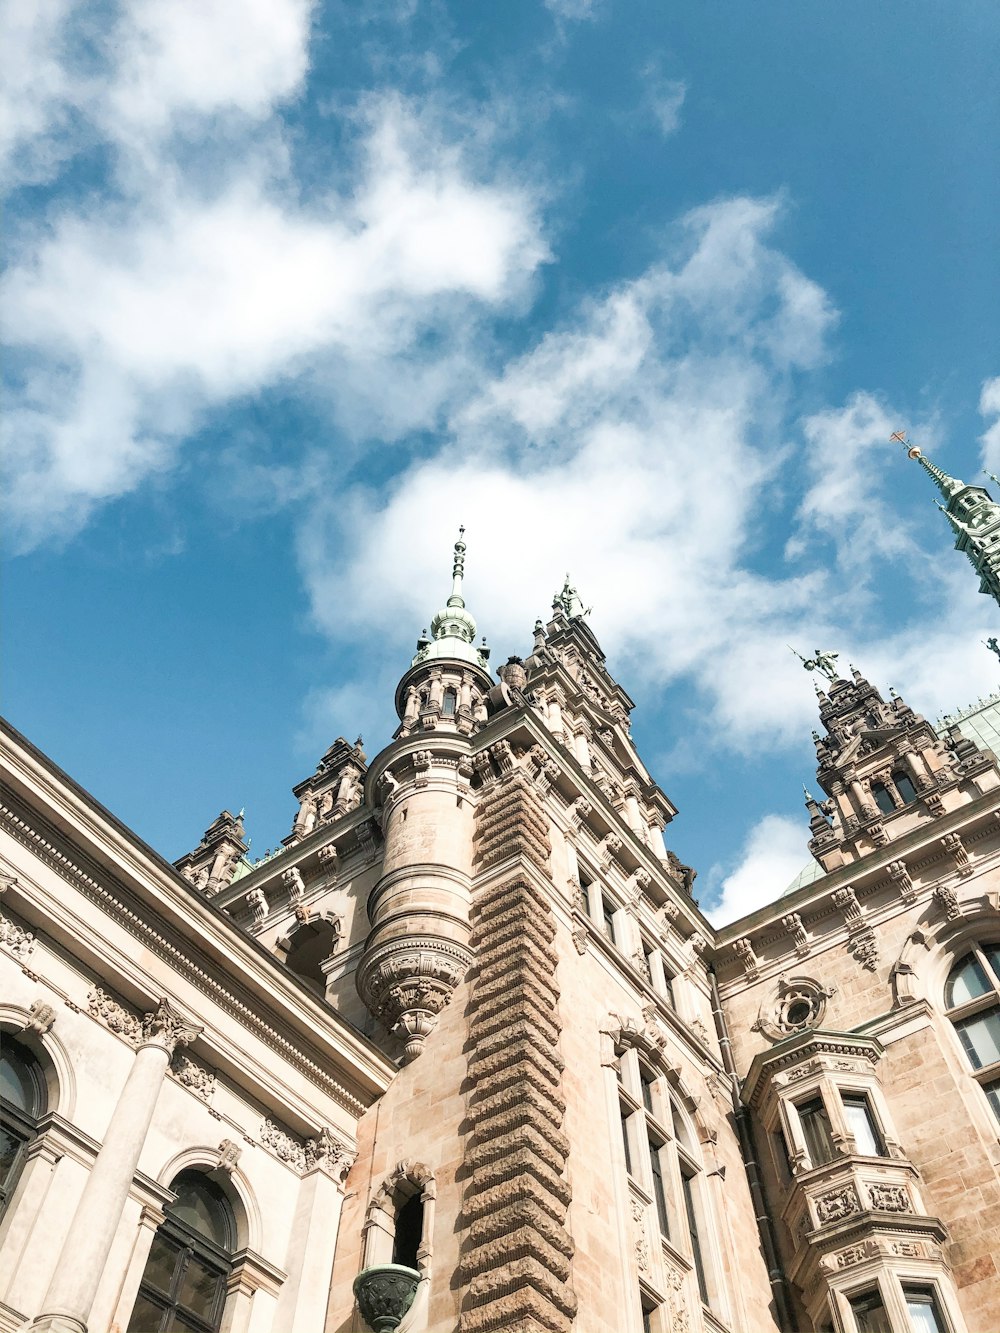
(948, 486)
(973, 516)
(453, 629)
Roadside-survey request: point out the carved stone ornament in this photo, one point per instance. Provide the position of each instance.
(41, 1017)
(503, 756)
(947, 899)
(294, 883)
(800, 1004)
(610, 846)
(200, 1080)
(745, 953)
(166, 1027)
(889, 1198)
(327, 856)
(636, 886)
(847, 900)
(837, 1204)
(953, 845)
(580, 935)
(20, 942)
(857, 1254)
(900, 876)
(579, 810)
(903, 974)
(864, 946)
(285, 1146)
(640, 1233)
(329, 1152)
(407, 983)
(792, 925)
(114, 1015)
(229, 1156)
(257, 902)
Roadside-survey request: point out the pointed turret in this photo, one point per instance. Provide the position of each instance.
(448, 677)
(974, 518)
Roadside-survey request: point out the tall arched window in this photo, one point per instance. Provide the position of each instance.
(972, 999)
(883, 798)
(663, 1158)
(449, 703)
(184, 1282)
(904, 785)
(22, 1102)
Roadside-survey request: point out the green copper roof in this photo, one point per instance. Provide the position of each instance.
(453, 629)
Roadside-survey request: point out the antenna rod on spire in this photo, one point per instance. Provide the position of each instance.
(457, 571)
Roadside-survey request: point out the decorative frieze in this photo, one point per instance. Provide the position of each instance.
(326, 1150)
(200, 1080)
(640, 1233)
(843, 1202)
(889, 1198)
(114, 1015)
(286, 1147)
(20, 942)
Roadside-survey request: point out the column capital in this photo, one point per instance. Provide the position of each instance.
(167, 1028)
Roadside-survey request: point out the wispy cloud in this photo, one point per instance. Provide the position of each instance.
(772, 855)
(662, 99)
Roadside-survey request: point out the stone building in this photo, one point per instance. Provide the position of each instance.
(464, 1054)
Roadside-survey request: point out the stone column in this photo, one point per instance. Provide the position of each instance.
(85, 1251)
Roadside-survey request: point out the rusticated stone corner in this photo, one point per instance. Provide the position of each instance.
(516, 1255)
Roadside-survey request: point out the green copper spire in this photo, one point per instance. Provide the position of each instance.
(974, 518)
(453, 629)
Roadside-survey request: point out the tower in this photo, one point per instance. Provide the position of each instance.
(974, 518)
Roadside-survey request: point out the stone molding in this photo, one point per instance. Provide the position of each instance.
(175, 957)
(516, 1254)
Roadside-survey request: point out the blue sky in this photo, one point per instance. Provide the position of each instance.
(630, 289)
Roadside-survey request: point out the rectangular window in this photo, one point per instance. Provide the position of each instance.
(992, 1091)
(923, 1309)
(668, 988)
(782, 1160)
(628, 1151)
(816, 1130)
(691, 1212)
(646, 1080)
(659, 1193)
(647, 1318)
(608, 918)
(862, 1124)
(981, 1037)
(869, 1313)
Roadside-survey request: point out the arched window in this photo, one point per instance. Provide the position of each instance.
(904, 785)
(400, 1219)
(22, 1102)
(184, 1282)
(449, 702)
(882, 798)
(972, 999)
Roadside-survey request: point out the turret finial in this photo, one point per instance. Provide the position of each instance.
(948, 486)
(458, 570)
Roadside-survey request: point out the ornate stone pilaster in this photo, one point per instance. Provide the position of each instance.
(516, 1252)
(88, 1242)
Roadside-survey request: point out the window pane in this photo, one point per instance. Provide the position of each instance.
(659, 1194)
(992, 952)
(646, 1082)
(200, 1288)
(966, 982)
(162, 1263)
(992, 1091)
(905, 787)
(10, 1150)
(980, 1036)
(869, 1313)
(608, 919)
(18, 1087)
(861, 1123)
(147, 1316)
(202, 1206)
(692, 1221)
(628, 1154)
(922, 1308)
(882, 798)
(816, 1131)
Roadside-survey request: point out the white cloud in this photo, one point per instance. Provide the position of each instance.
(989, 406)
(579, 10)
(663, 99)
(772, 855)
(183, 297)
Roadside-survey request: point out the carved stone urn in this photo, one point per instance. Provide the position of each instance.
(384, 1294)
